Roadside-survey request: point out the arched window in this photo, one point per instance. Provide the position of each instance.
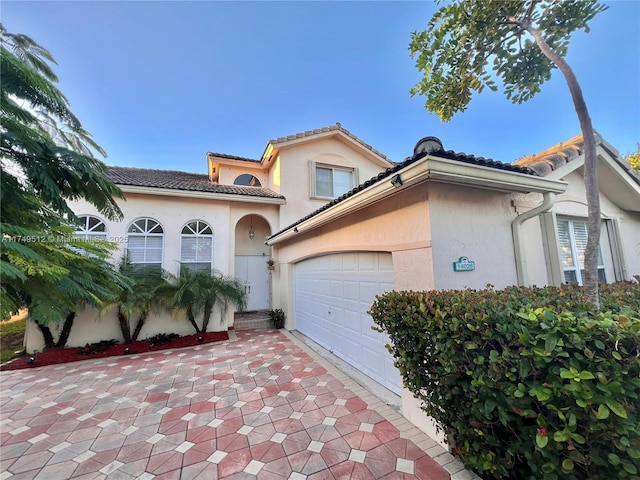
(196, 246)
(247, 180)
(91, 228)
(145, 241)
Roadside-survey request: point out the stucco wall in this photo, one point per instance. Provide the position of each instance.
(229, 173)
(90, 327)
(295, 173)
(476, 224)
(172, 213)
(399, 222)
(573, 204)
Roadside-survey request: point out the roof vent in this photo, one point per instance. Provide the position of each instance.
(426, 146)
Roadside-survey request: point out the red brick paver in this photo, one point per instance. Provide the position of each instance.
(259, 407)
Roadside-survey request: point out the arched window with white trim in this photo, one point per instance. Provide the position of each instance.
(91, 228)
(145, 243)
(196, 246)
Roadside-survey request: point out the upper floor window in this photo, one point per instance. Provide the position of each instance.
(145, 242)
(196, 248)
(91, 228)
(572, 239)
(248, 180)
(331, 182)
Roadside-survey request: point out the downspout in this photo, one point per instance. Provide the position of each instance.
(548, 200)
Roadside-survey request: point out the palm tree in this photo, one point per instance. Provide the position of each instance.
(148, 292)
(198, 293)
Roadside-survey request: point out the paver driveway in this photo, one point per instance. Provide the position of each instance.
(259, 407)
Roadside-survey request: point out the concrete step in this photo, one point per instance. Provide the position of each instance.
(251, 320)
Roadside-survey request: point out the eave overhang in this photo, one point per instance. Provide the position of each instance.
(427, 169)
(227, 197)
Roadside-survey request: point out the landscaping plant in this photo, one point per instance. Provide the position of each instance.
(529, 383)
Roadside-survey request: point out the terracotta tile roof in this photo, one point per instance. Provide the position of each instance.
(481, 161)
(552, 158)
(545, 162)
(233, 157)
(449, 154)
(331, 128)
(175, 180)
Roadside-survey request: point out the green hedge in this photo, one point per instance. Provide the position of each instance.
(530, 382)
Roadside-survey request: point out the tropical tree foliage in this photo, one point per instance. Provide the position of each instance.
(46, 160)
(198, 293)
(634, 159)
(469, 45)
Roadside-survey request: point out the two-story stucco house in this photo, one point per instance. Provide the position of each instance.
(344, 223)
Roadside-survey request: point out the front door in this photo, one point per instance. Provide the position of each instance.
(252, 272)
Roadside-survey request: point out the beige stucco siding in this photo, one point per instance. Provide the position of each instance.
(476, 224)
(229, 173)
(400, 222)
(572, 204)
(295, 174)
(172, 213)
(630, 233)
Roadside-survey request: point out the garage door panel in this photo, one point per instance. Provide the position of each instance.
(349, 262)
(352, 323)
(350, 290)
(367, 262)
(332, 296)
(353, 351)
(385, 287)
(368, 291)
(336, 289)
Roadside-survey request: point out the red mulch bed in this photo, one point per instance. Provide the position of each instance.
(65, 355)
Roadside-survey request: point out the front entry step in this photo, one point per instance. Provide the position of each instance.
(251, 320)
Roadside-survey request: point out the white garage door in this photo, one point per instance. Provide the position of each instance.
(332, 296)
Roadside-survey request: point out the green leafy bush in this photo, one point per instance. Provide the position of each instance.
(530, 383)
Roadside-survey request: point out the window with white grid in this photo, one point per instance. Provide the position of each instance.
(196, 246)
(145, 243)
(91, 228)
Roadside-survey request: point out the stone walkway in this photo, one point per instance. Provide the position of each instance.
(262, 407)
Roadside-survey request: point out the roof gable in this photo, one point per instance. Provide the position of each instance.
(336, 131)
(616, 179)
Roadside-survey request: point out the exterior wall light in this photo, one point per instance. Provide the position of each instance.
(252, 233)
(396, 181)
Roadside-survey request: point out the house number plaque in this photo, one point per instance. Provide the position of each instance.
(464, 265)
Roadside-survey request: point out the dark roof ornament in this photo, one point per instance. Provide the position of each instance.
(426, 146)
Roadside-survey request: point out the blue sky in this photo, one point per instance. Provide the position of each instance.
(159, 84)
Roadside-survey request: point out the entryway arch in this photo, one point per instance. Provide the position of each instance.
(251, 257)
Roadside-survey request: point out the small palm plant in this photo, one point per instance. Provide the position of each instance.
(149, 292)
(198, 293)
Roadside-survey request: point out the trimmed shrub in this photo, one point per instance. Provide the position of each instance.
(529, 383)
